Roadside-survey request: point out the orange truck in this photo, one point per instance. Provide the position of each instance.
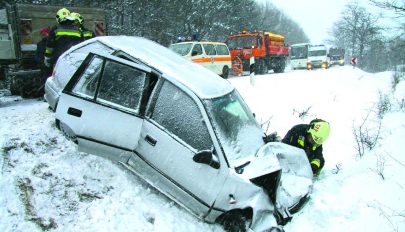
(258, 52)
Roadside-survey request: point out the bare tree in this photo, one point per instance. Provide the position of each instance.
(395, 5)
(355, 30)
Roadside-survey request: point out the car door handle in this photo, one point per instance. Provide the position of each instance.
(150, 140)
(74, 112)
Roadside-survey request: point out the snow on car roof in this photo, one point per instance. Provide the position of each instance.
(203, 82)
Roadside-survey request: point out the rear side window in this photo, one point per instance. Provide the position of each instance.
(68, 64)
(112, 83)
(209, 49)
(222, 49)
(170, 109)
(87, 84)
(121, 85)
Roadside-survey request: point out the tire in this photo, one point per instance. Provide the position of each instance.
(225, 72)
(280, 66)
(260, 67)
(233, 221)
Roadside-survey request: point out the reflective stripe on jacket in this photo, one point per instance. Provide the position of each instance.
(60, 39)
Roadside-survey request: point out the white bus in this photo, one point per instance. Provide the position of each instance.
(299, 55)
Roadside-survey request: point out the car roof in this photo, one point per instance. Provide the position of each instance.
(203, 82)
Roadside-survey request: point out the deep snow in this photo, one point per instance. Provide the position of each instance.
(45, 184)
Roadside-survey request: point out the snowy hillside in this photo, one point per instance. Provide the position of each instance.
(45, 184)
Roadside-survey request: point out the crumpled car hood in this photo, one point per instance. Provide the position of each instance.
(265, 161)
(296, 178)
(262, 163)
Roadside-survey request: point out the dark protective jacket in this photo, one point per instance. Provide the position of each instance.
(60, 39)
(297, 137)
(86, 33)
(40, 52)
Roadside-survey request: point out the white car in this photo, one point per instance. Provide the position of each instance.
(186, 132)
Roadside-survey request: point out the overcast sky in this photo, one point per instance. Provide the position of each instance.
(315, 16)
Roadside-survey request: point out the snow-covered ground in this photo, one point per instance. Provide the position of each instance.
(45, 184)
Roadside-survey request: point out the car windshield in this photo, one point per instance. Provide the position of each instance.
(238, 131)
(182, 49)
(299, 52)
(240, 42)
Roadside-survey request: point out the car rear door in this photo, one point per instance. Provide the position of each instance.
(103, 105)
(173, 132)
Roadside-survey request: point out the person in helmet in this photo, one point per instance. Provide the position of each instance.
(61, 37)
(310, 138)
(79, 23)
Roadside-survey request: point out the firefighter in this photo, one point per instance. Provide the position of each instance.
(62, 37)
(79, 20)
(40, 51)
(310, 138)
(39, 58)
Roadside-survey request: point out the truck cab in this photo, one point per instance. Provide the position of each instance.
(337, 56)
(318, 57)
(259, 51)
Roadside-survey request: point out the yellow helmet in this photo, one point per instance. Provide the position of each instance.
(62, 15)
(77, 17)
(319, 130)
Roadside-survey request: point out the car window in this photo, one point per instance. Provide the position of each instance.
(197, 48)
(68, 64)
(87, 84)
(222, 50)
(171, 108)
(121, 85)
(182, 49)
(209, 49)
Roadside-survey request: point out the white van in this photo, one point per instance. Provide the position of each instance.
(215, 56)
(318, 57)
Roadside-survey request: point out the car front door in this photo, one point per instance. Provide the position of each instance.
(198, 56)
(102, 106)
(173, 132)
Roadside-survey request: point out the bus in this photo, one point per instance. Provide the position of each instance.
(299, 55)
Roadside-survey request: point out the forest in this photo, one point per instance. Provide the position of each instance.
(357, 30)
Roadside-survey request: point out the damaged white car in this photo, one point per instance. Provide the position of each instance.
(185, 131)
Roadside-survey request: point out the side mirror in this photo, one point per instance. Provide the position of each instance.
(206, 157)
(194, 53)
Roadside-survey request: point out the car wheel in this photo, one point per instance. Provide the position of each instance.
(225, 72)
(233, 221)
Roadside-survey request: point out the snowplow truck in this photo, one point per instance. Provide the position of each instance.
(19, 34)
(258, 51)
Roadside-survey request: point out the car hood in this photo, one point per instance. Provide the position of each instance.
(276, 156)
(317, 58)
(262, 163)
